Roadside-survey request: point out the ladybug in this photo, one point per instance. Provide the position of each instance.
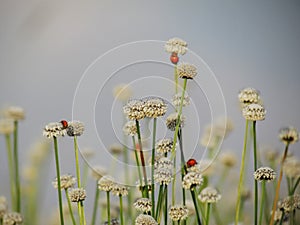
(191, 163)
(64, 124)
(174, 58)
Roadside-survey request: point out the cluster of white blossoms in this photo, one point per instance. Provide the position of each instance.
(143, 204)
(164, 145)
(106, 183)
(192, 180)
(171, 121)
(176, 45)
(144, 219)
(264, 174)
(77, 194)
(178, 212)
(66, 181)
(186, 71)
(209, 195)
(130, 128)
(54, 129)
(289, 135)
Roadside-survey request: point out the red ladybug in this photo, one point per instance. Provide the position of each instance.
(64, 124)
(191, 162)
(174, 58)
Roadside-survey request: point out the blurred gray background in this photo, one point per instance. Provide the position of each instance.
(46, 46)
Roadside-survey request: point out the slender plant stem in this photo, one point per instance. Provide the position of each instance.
(262, 201)
(159, 201)
(176, 79)
(196, 206)
(70, 207)
(240, 186)
(108, 207)
(207, 214)
(94, 216)
(166, 204)
(216, 213)
(278, 184)
(58, 181)
(121, 210)
(16, 160)
(266, 205)
(11, 171)
(137, 163)
(255, 168)
(295, 186)
(142, 158)
(152, 167)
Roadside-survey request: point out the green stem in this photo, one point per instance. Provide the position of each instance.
(255, 168)
(152, 167)
(207, 213)
(58, 181)
(217, 214)
(16, 160)
(240, 186)
(70, 207)
(142, 158)
(97, 192)
(159, 201)
(108, 207)
(121, 210)
(278, 184)
(176, 79)
(166, 204)
(266, 205)
(11, 171)
(137, 163)
(295, 187)
(196, 206)
(262, 201)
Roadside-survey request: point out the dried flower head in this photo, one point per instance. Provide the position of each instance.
(75, 128)
(264, 174)
(134, 109)
(66, 181)
(6, 126)
(290, 203)
(228, 159)
(176, 100)
(122, 92)
(98, 171)
(171, 121)
(119, 190)
(289, 135)
(163, 162)
(154, 107)
(143, 204)
(176, 45)
(291, 167)
(143, 219)
(106, 183)
(178, 212)
(162, 176)
(3, 206)
(12, 218)
(186, 71)
(77, 194)
(116, 149)
(191, 180)
(163, 146)
(54, 130)
(254, 112)
(249, 96)
(142, 185)
(209, 195)
(15, 113)
(130, 128)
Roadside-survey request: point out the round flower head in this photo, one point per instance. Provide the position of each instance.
(162, 176)
(122, 92)
(113, 221)
(191, 180)
(143, 204)
(119, 190)
(154, 107)
(178, 212)
(209, 195)
(116, 149)
(75, 128)
(176, 45)
(264, 174)
(6, 126)
(290, 203)
(176, 100)
(54, 130)
(106, 183)
(97, 172)
(15, 113)
(143, 219)
(3, 206)
(163, 162)
(171, 121)
(186, 71)
(249, 96)
(289, 135)
(134, 109)
(66, 181)
(164, 145)
(141, 186)
(228, 159)
(77, 194)
(254, 112)
(291, 167)
(12, 218)
(130, 128)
